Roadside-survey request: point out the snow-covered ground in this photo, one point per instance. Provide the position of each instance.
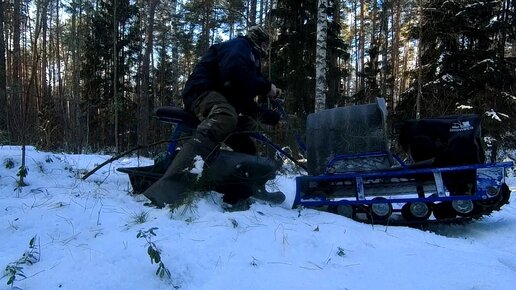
(86, 238)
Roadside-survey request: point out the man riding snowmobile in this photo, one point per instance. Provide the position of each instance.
(223, 86)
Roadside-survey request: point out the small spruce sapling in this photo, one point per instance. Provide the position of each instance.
(340, 252)
(9, 163)
(23, 171)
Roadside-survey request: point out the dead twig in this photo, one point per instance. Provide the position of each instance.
(139, 147)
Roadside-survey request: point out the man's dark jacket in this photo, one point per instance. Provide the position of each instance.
(231, 68)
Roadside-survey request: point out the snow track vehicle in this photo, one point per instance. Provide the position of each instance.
(352, 172)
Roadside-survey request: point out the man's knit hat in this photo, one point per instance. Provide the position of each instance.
(258, 37)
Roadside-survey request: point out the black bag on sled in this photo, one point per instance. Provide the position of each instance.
(447, 140)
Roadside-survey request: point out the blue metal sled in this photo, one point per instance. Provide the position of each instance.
(352, 172)
(381, 193)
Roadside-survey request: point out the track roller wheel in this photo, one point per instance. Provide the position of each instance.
(463, 208)
(416, 211)
(490, 202)
(346, 210)
(488, 206)
(380, 211)
(443, 210)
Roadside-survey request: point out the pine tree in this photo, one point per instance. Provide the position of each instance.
(462, 70)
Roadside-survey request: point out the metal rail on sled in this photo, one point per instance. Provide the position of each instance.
(413, 192)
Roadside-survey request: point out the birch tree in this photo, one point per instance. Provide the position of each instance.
(321, 86)
(3, 75)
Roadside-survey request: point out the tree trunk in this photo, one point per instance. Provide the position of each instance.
(385, 48)
(205, 33)
(16, 103)
(263, 10)
(321, 86)
(115, 77)
(252, 12)
(395, 52)
(355, 36)
(404, 67)
(334, 75)
(374, 51)
(361, 47)
(175, 53)
(3, 78)
(144, 114)
(42, 99)
(60, 87)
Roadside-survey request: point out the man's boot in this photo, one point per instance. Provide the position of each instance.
(172, 187)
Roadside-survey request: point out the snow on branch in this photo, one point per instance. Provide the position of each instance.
(495, 115)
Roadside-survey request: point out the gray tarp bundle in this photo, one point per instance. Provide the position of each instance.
(347, 130)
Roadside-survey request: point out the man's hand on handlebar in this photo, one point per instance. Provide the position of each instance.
(274, 92)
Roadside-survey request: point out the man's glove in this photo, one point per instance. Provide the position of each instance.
(269, 117)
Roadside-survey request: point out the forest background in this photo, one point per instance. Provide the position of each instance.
(84, 75)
